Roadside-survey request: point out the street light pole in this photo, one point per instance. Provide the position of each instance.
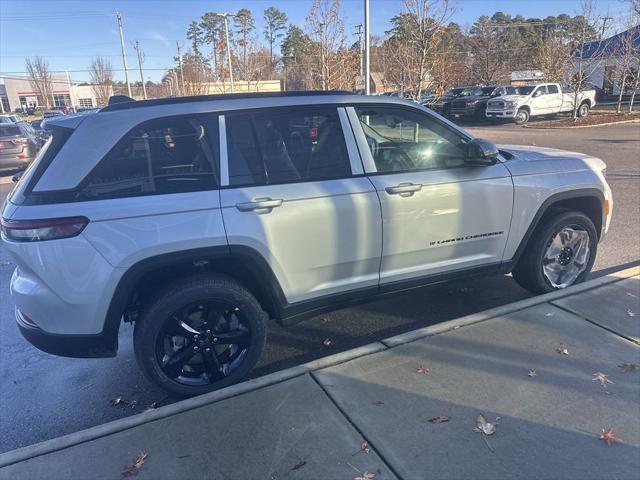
(366, 48)
(136, 46)
(226, 33)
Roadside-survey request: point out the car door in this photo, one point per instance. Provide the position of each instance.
(539, 101)
(294, 192)
(439, 215)
(554, 99)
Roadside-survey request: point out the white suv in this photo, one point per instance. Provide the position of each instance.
(200, 218)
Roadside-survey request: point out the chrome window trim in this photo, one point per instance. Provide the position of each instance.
(357, 167)
(224, 157)
(361, 141)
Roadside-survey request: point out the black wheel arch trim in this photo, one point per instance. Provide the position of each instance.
(549, 203)
(248, 256)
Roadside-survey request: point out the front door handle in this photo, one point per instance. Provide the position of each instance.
(404, 189)
(267, 204)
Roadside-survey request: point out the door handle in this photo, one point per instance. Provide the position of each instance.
(259, 204)
(404, 189)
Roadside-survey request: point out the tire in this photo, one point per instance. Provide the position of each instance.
(206, 304)
(583, 110)
(530, 271)
(522, 116)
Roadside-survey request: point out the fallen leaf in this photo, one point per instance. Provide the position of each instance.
(628, 367)
(365, 447)
(116, 401)
(133, 470)
(602, 378)
(365, 476)
(127, 403)
(562, 350)
(533, 372)
(327, 342)
(482, 426)
(609, 436)
(150, 407)
(422, 370)
(630, 313)
(439, 419)
(299, 465)
(377, 403)
(550, 314)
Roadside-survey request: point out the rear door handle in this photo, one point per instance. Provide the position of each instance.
(404, 189)
(266, 204)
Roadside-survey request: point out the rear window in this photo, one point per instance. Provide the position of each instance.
(166, 155)
(9, 130)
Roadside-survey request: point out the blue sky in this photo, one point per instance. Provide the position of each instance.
(69, 33)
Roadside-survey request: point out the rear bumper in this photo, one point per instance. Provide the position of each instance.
(77, 346)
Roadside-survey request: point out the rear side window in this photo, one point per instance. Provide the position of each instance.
(283, 146)
(9, 130)
(167, 155)
(552, 88)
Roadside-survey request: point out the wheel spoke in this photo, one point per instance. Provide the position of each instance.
(212, 364)
(180, 357)
(234, 337)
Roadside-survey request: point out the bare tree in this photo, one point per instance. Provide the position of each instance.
(627, 56)
(101, 73)
(551, 58)
(40, 79)
(326, 27)
(586, 54)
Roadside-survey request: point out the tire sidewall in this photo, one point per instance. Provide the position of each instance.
(551, 229)
(151, 321)
(583, 111)
(525, 119)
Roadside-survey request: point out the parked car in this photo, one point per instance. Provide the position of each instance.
(536, 100)
(30, 110)
(10, 118)
(18, 146)
(472, 103)
(199, 219)
(38, 127)
(442, 105)
(52, 113)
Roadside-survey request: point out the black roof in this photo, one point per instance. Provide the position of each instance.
(125, 105)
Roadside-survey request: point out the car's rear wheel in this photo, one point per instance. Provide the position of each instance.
(200, 334)
(583, 110)
(560, 253)
(522, 116)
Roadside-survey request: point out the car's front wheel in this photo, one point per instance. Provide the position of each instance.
(559, 254)
(583, 110)
(522, 116)
(200, 334)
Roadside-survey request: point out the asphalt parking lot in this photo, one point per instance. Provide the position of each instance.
(43, 396)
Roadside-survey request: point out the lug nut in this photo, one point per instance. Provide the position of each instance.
(215, 339)
(208, 332)
(195, 348)
(207, 349)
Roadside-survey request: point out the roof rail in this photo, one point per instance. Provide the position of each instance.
(127, 104)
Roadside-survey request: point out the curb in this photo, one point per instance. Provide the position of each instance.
(635, 120)
(93, 433)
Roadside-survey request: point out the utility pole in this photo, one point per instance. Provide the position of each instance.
(136, 46)
(360, 47)
(226, 33)
(604, 25)
(73, 103)
(124, 55)
(181, 69)
(366, 48)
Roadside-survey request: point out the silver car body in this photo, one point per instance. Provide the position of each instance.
(319, 238)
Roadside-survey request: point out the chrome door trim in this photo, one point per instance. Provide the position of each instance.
(361, 141)
(224, 156)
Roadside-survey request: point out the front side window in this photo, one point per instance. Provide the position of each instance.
(402, 140)
(282, 146)
(167, 155)
(541, 90)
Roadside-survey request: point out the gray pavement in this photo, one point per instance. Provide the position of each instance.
(311, 421)
(43, 396)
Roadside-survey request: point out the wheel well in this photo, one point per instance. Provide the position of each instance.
(590, 206)
(238, 268)
(526, 108)
(587, 101)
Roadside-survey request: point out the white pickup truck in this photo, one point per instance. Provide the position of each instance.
(537, 100)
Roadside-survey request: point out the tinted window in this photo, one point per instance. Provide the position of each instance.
(168, 155)
(281, 146)
(7, 130)
(402, 140)
(542, 90)
(553, 88)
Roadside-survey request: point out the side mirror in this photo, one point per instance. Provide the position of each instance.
(17, 176)
(481, 153)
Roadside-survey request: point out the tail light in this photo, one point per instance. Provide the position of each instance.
(40, 230)
(19, 141)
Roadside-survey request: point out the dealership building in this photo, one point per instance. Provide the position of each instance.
(18, 92)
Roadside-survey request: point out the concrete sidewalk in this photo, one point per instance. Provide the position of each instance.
(530, 363)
